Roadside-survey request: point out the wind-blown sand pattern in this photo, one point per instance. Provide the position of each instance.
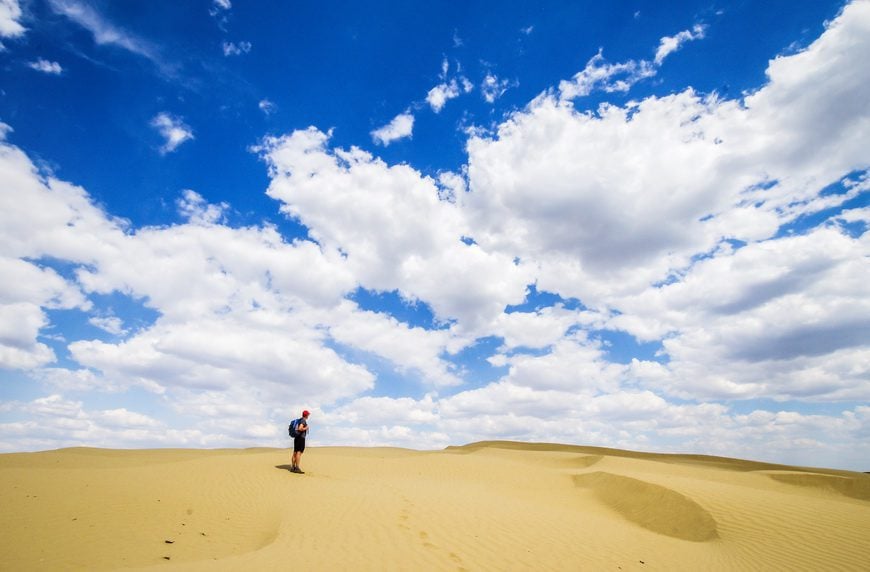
(486, 506)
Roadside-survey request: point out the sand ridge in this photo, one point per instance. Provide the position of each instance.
(486, 506)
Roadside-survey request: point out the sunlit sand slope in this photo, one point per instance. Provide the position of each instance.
(485, 506)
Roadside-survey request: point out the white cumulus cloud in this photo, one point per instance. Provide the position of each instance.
(10, 19)
(173, 129)
(670, 44)
(45, 66)
(401, 127)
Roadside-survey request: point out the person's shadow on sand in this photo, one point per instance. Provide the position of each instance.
(285, 468)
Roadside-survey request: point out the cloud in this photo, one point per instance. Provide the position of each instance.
(400, 127)
(493, 88)
(235, 306)
(598, 74)
(110, 324)
(173, 130)
(235, 49)
(620, 77)
(392, 226)
(439, 95)
(103, 31)
(213, 353)
(670, 44)
(786, 318)
(720, 170)
(220, 11)
(198, 211)
(55, 419)
(678, 220)
(410, 349)
(46, 66)
(267, 107)
(10, 19)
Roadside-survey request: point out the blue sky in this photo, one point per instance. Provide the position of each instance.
(628, 224)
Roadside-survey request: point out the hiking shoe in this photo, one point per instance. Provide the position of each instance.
(300, 471)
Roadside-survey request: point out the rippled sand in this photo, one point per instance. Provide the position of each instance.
(486, 506)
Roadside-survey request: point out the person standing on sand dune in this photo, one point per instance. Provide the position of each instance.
(299, 442)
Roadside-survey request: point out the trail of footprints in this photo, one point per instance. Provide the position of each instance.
(423, 536)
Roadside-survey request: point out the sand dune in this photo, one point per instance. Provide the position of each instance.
(485, 506)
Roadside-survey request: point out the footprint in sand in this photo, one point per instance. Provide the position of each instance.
(425, 538)
(404, 515)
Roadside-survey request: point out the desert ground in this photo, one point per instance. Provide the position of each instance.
(485, 506)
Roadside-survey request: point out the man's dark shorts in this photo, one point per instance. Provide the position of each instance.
(299, 444)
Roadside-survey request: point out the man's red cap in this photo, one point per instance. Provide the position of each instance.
(305, 413)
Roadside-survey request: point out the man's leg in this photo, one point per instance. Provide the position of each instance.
(299, 447)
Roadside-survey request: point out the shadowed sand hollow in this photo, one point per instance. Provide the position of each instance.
(651, 506)
(855, 486)
(485, 506)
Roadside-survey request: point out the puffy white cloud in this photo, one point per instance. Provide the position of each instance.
(573, 364)
(451, 185)
(198, 211)
(620, 77)
(28, 288)
(553, 187)
(237, 307)
(54, 421)
(605, 213)
(20, 324)
(281, 359)
(400, 127)
(74, 380)
(409, 348)
(598, 74)
(539, 329)
(10, 19)
(371, 412)
(670, 44)
(784, 318)
(45, 66)
(493, 88)
(395, 231)
(441, 93)
(173, 130)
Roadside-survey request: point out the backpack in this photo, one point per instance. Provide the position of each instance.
(294, 432)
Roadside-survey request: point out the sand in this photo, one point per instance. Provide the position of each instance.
(486, 506)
